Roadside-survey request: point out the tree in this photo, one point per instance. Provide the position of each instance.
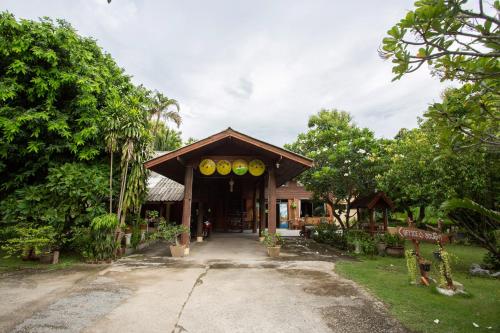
(160, 105)
(345, 160)
(167, 139)
(418, 174)
(461, 44)
(64, 104)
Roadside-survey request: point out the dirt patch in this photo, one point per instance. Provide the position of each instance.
(321, 283)
(365, 318)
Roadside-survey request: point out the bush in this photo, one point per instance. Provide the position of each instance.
(393, 240)
(170, 232)
(272, 240)
(30, 241)
(366, 243)
(98, 242)
(330, 234)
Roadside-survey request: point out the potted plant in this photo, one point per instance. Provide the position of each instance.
(34, 243)
(293, 205)
(395, 245)
(273, 243)
(171, 233)
(425, 266)
(381, 245)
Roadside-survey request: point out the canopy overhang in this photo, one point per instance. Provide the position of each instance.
(229, 142)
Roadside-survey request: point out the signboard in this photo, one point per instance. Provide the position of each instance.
(422, 235)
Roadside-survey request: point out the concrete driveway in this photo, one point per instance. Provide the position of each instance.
(227, 284)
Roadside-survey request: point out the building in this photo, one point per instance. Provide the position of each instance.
(231, 179)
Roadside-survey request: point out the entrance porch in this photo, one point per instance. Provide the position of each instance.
(231, 199)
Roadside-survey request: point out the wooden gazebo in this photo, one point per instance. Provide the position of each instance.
(372, 202)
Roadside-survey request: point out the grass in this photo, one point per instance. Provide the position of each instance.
(417, 306)
(15, 263)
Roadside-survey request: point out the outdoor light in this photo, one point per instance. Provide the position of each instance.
(231, 183)
(278, 163)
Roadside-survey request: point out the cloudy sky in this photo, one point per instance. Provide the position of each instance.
(262, 67)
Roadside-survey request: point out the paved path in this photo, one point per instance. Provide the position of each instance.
(227, 284)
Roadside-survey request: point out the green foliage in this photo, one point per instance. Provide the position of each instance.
(170, 232)
(393, 240)
(411, 265)
(418, 173)
(458, 43)
(329, 233)
(72, 194)
(31, 240)
(480, 223)
(97, 242)
(345, 160)
(167, 139)
(272, 240)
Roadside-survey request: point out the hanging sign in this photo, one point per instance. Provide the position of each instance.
(256, 167)
(422, 235)
(240, 167)
(207, 167)
(223, 167)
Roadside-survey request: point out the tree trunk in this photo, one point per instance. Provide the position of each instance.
(111, 184)
(421, 214)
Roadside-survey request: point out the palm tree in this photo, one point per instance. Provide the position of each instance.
(160, 109)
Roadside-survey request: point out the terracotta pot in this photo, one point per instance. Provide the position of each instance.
(177, 250)
(395, 251)
(274, 251)
(381, 248)
(47, 258)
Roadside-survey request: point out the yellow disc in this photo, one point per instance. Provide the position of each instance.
(207, 167)
(223, 167)
(240, 167)
(256, 167)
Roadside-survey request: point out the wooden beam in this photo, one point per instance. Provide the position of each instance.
(254, 206)
(186, 205)
(199, 221)
(385, 219)
(372, 222)
(271, 201)
(262, 207)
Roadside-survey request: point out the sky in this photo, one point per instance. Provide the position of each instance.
(261, 67)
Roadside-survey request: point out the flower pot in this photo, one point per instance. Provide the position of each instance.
(261, 239)
(395, 251)
(50, 258)
(274, 251)
(425, 266)
(381, 248)
(177, 250)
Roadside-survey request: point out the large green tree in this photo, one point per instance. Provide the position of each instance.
(345, 160)
(64, 103)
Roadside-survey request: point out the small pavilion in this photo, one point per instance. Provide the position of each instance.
(373, 202)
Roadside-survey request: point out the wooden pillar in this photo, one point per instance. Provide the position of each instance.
(271, 201)
(199, 223)
(186, 205)
(262, 207)
(254, 206)
(372, 221)
(385, 219)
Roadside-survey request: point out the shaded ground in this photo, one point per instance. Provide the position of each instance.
(227, 284)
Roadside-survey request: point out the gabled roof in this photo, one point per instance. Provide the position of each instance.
(374, 200)
(229, 142)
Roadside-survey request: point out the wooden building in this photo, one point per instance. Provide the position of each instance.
(235, 196)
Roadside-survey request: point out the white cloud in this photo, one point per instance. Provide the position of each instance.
(260, 67)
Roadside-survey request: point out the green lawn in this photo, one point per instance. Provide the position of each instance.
(417, 306)
(14, 263)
